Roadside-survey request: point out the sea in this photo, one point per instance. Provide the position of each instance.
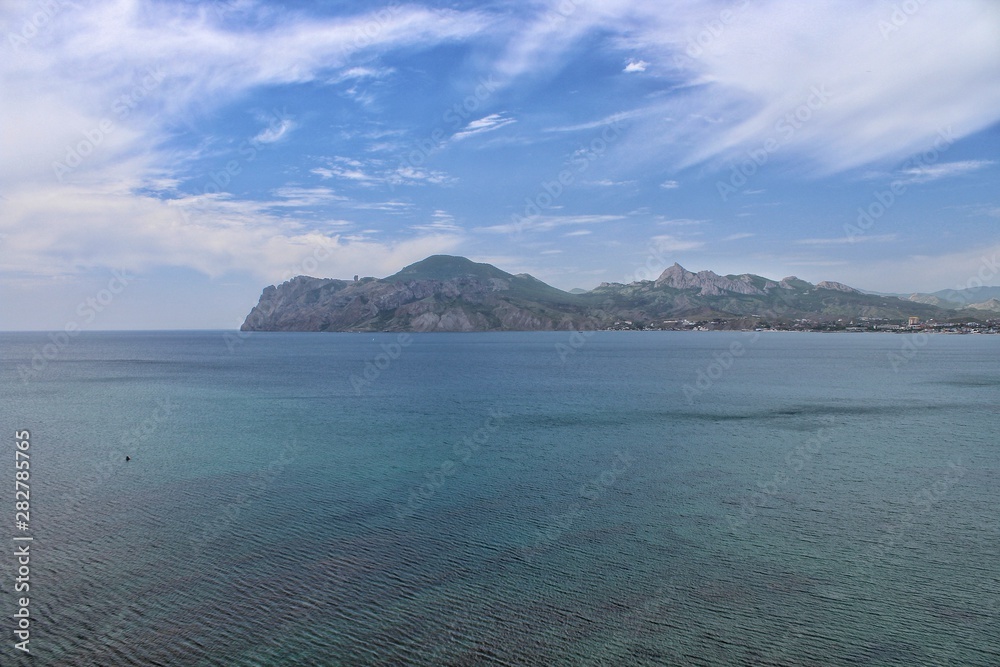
(542, 498)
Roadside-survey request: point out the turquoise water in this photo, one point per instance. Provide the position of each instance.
(620, 498)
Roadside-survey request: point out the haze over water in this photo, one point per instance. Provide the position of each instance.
(510, 499)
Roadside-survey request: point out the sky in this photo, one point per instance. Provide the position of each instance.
(163, 162)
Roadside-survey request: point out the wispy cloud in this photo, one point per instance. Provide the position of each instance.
(375, 171)
(933, 172)
(275, 132)
(670, 185)
(613, 119)
(82, 72)
(407, 175)
(636, 66)
(361, 72)
(545, 223)
(440, 222)
(350, 169)
(608, 183)
(844, 240)
(486, 124)
(681, 222)
(292, 196)
(668, 243)
(737, 237)
(755, 73)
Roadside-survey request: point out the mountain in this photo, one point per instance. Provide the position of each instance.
(933, 300)
(440, 293)
(991, 305)
(446, 293)
(969, 295)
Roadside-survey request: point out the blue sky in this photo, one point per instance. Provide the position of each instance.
(170, 159)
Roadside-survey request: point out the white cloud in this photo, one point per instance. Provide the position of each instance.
(850, 240)
(125, 75)
(681, 222)
(636, 66)
(932, 172)
(737, 237)
(670, 185)
(854, 96)
(486, 124)
(612, 120)
(668, 243)
(407, 175)
(441, 222)
(374, 172)
(544, 223)
(274, 133)
(361, 72)
(608, 183)
(292, 196)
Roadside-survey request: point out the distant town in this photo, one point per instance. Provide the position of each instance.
(855, 325)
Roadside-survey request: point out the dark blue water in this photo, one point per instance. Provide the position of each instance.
(506, 499)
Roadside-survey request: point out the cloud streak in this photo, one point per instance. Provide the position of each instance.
(489, 123)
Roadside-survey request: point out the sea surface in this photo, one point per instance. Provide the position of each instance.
(616, 498)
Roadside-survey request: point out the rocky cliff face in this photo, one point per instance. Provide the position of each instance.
(462, 300)
(840, 287)
(707, 282)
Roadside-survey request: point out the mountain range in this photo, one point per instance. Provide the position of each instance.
(447, 293)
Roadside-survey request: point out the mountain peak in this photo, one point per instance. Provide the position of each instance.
(840, 287)
(447, 267)
(708, 283)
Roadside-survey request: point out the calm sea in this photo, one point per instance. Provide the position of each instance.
(617, 498)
